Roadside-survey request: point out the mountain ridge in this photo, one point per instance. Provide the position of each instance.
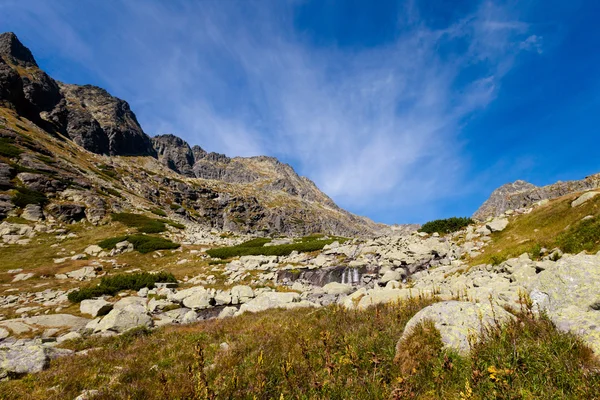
(246, 194)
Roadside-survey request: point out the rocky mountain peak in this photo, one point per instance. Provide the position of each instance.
(14, 51)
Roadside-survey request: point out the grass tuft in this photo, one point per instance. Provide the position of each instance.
(25, 196)
(256, 247)
(8, 150)
(142, 243)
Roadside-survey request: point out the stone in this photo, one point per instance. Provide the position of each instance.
(23, 277)
(199, 300)
(337, 288)
(4, 333)
(382, 296)
(569, 292)
(69, 336)
(227, 312)
(32, 212)
(390, 276)
(95, 307)
(81, 274)
(268, 300)
(241, 294)
(457, 321)
(584, 198)
(124, 319)
(24, 359)
(93, 250)
(497, 224)
(88, 394)
(57, 321)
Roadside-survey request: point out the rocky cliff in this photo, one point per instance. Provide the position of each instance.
(521, 194)
(78, 146)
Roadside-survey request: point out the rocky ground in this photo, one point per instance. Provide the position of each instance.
(357, 273)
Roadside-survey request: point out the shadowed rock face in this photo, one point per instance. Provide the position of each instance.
(175, 153)
(88, 115)
(522, 194)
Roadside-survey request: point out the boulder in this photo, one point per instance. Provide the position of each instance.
(32, 212)
(95, 307)
(457, 321)
(93, 250)
(337, 288)
(82, 273)
(569, 292)
(268, 300)
(24, 359)
(57, 321)
(199, 300)
(382, 296)
(241, 294)
(497, 224)
(124, 319)
(584, 198)
(67, 212)
(390, 276)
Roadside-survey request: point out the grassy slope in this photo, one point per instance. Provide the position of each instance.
(315, 354)
(541, 227)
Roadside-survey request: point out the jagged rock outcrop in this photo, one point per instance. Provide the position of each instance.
(522, 194)
(175, 153)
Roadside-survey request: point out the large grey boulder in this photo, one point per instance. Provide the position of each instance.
(95, 307)
(497, 224)
(458, 321)
(241, 294)
(569, 292)
(336, 288)
(584, 198)
(24, 359)
(126, 314)
(268, 300)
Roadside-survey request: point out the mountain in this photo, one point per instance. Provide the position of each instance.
(79, 148)
(521, 194)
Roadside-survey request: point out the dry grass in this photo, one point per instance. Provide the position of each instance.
(539, 228)
(329, 353)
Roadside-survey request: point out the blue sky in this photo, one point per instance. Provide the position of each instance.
(401, 111)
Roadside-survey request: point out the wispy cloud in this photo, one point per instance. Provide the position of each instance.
(368, 125)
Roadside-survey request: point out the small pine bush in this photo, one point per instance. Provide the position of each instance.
(255, 247)
(141, 222)
(448, 225)
(142, 243)
(158, 211)
(27, 196)
(8, 150)
(112, 285)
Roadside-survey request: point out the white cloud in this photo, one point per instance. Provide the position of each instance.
(369, 126)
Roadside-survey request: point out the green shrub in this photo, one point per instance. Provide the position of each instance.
(112, 191)
(584, 235)
(27, 196)
(110, 243)
(448, 225)
(111, 285)
(141, 222)
(108, 171)
(142, 243)
(158, 211)
(8, 150)
(256, 247)
(175, 224)
(146, 244)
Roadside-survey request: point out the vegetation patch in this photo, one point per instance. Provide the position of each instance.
(329, 353)
(111, 285)
(583, 236)
(141, 222)
(257, 247)
(175, 224)
(158, 211)
(447, 225)
(108, 170)
(142, 243)
(9, 150)
(111, 191)
(556, 224)
(25, 196)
